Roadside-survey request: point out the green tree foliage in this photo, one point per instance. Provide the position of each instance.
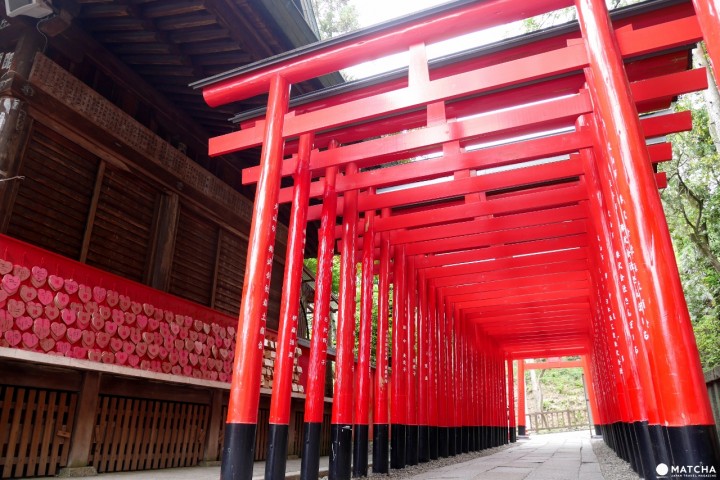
(335, 17)
(692, 206)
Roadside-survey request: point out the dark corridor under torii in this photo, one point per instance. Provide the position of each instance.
(524, 221)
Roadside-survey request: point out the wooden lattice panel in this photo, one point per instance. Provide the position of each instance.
(139, 434)
(35, 429)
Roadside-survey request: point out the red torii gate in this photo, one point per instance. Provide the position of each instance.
(567, 256)
(553, 363)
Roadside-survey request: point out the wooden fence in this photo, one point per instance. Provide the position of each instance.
(558, 421)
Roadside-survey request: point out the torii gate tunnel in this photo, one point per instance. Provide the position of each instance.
(526, 222)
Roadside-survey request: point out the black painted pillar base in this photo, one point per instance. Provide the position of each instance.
(443, 442)
(521, 430)
(423, 443)
(694, 445)
(340, 452)
(277, 452)
(411, 453)
(310, 463)
(360, 451)
(598, 430)
(238, 453)
(434, 439)
(397, 445)
(458, 440)
(660, 443)
(452, 444)
(513, 435)
(647, 462)
(465, 432)
(381, 448)
(631, 447)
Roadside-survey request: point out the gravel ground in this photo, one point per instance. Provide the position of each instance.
(612, 466)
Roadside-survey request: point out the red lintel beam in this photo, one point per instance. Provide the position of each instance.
(496, 238)
(377, 42)
(546, 365)
(468, 301)
(561, 214)
(527, 307)
(652, 127)
(489, 78)
(581, 294)
(480, 269)
(466, 291)
(540, 352)
(501, 251)
(486, 158)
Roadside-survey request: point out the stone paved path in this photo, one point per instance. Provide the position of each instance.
(559, 456)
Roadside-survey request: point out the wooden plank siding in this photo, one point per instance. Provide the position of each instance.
(54, 199)
(231, 272)
(122, 231)
(193, 268)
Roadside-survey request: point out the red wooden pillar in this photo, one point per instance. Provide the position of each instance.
(433, 366)
(342, 411)
(315, 394)
(503, 409)
(380, 412)
(239, 441)
(412, 364)
(521, 398)
(289, 308)
(466, 397)
(398, 410)
(453, 380)
(619, 315)
(708, 14)
(362, 401)
(444, 404)
(688, 418)
(511, 400)
(592, 398)
(423, 371)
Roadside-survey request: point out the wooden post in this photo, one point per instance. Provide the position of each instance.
(15, 128)
(82, 433)
(164, 244)
(215, 423)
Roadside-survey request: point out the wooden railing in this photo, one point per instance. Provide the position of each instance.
(558, 421)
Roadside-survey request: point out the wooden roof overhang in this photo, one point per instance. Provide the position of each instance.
(501, 233)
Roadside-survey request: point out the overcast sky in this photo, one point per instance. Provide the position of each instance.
(371, 12)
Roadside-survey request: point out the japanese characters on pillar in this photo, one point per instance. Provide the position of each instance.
(362, 399)
(315, 393)
(381, 428)
(289, 308)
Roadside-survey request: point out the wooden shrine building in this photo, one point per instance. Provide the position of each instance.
(122, 246)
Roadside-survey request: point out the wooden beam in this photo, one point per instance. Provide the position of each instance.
(561, 364)
(83, 429)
